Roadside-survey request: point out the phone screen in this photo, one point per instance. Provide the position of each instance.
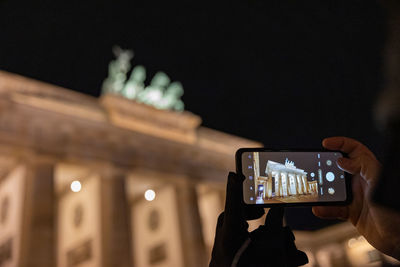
(292, 177)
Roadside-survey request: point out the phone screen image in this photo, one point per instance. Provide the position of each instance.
(292, 177)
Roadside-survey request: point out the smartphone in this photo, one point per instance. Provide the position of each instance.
(292, 177)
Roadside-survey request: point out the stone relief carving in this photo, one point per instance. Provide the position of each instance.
(154, 220)
(78, 215)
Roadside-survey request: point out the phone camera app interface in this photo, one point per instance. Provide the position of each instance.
(292, 177)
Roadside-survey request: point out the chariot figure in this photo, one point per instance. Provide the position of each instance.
(117, 70)
(153, 93)
(135, 84)
(171, 98)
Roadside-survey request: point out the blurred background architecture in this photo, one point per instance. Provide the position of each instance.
(110, 182)
(106, 182)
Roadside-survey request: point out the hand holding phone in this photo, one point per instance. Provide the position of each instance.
(292, 178)
(384, 232)
(235, 246)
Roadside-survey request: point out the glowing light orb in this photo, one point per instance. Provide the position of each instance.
(149, 195)
(76, 186)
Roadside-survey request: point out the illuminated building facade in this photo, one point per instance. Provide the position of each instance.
(109, 182)
(282, 180)
(74, 171)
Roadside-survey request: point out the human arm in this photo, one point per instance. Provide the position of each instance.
(379, 225)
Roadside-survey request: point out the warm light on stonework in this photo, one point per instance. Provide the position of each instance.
(150, 195)
(76, 186)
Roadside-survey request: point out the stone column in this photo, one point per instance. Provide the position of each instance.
(115, 228)
(290, 184)
(38, 228)
(300, 184)
(93, 222)
(265, 188)
(305, 184)
(269, 185)
(278, 185)
(312, 187)
(191, 230)
(292, 180)
(285, 185)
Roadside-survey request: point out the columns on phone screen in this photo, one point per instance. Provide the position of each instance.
(284, 184)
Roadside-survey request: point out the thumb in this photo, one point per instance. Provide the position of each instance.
(233, 216)
(274, 218)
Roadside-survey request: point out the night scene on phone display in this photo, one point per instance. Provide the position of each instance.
(292, 177)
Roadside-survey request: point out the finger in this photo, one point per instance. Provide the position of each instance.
(345, 144)
(332, 212)
(233, 216)
(351, 166)
(367, 166)
(274, 218)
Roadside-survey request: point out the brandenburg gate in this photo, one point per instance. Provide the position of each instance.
(282, 180)
(75, 171)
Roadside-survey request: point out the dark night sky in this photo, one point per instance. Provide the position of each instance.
(286, 73)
